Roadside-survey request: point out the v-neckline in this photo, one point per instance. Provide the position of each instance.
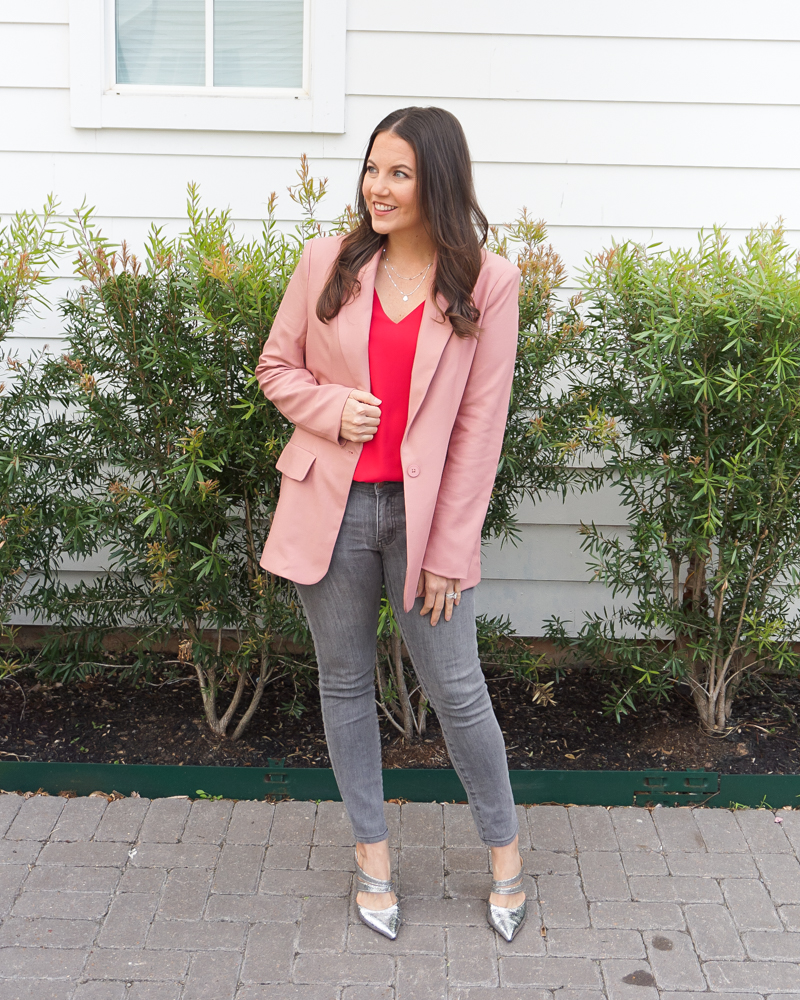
(375, 293)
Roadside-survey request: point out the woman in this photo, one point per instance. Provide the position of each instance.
(392, 354)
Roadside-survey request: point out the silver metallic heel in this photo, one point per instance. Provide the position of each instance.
(504, 920)
(386, 922)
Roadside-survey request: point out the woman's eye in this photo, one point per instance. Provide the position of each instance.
(400, 173)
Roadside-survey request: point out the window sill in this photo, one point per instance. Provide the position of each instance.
(214, 113)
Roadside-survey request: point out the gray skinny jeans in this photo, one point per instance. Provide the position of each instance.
(342, 610)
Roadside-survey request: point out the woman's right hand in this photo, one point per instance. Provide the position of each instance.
(360, 417)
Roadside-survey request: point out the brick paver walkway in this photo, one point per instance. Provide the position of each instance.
(180, 900)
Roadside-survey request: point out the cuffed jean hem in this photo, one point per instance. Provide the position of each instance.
(500, 843)
(371, 840)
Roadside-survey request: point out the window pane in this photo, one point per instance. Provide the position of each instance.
(161, 42)
(258, 43)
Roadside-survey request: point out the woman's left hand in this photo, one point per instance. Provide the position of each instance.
(439, 593)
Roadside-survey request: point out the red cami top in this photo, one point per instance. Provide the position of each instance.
(391, 357)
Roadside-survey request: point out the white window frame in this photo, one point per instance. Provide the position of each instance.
(97, 101)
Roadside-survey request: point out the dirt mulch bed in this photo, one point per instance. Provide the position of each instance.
(104, 721)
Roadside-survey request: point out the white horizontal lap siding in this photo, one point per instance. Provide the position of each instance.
(543, 552)
(517, 132)
(545, 574)
(514, 132)
(624, 120)
(539, 67)
(605, 198)
(710, 19)
(23, 66)
(34, 11)
(530, 603)
(42, 326)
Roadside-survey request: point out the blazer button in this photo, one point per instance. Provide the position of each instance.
(413, 471)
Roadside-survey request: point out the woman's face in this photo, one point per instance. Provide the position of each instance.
(390, 185)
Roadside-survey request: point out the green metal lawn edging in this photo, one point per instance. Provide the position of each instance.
(591, 788)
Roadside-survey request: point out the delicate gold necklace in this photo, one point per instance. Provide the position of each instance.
(423, 272)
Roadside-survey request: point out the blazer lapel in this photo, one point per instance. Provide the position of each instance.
(353, 322)
(433, 337)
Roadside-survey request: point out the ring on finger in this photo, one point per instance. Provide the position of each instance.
(452, 596)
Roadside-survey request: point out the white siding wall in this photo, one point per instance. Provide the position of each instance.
(615, 120)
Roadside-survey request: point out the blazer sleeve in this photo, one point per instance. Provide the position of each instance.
(281, 371)
(477, 438)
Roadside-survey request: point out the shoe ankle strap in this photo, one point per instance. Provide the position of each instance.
(505, 888)
(509, 886)
(371, 884)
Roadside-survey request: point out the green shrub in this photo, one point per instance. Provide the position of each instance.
(28, 529)
(178, 450)
(28, 244)
(531, 463)
(686, 379)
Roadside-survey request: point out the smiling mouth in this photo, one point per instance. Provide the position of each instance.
(379, 207)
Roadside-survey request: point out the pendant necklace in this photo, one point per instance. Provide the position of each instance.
(423, 272)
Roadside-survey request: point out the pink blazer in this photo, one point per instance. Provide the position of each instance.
(457, 413)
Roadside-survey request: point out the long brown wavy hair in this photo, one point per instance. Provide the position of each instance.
(449, 209)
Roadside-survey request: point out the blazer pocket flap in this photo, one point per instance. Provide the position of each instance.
(295, 462)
